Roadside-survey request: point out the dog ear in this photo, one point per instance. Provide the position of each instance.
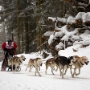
(84, 58)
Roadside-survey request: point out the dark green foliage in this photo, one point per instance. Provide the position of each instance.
(37, 13)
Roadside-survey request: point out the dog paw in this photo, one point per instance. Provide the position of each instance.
(40, 75)
(77, 74)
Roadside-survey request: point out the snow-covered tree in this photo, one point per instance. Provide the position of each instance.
(69, 30)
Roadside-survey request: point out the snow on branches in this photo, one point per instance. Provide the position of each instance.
(71, 33)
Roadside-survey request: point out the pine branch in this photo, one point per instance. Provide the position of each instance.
(41, 45)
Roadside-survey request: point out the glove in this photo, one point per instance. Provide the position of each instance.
(13, 51)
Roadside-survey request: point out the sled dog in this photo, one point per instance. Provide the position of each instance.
(80, 62)
(34, 63)
(16, 61)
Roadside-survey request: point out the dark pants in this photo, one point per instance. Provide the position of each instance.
(5, 61)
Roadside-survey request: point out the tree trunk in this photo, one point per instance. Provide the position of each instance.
(38, 31)
(22, 43)
(18, 28)
(26, 36)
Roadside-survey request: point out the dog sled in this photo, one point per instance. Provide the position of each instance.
(4, 66)
(5, 61)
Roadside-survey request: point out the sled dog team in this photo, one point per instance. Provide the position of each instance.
(61, 62)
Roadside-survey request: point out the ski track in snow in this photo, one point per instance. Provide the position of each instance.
(25, 80)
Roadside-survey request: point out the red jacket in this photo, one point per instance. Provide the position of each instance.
(6, 46)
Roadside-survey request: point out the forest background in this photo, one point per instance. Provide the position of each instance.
(26, 21)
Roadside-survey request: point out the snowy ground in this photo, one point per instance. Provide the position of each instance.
(25, 80)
